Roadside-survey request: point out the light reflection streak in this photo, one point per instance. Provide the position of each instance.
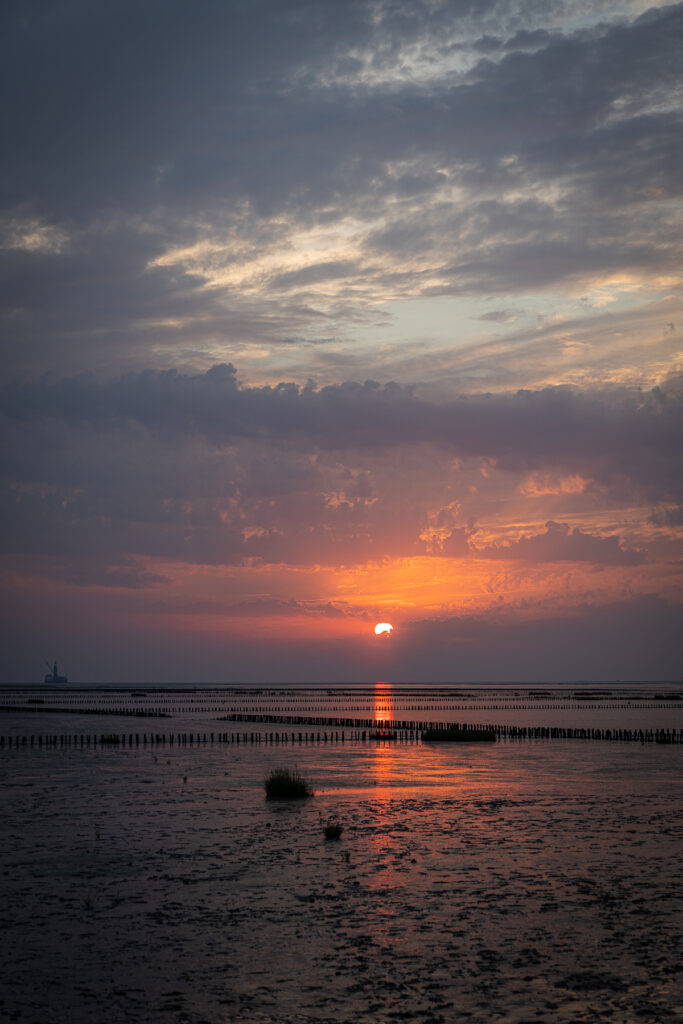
(383, 878)
(382, 704)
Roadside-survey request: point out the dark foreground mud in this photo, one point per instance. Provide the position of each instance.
(506, 884)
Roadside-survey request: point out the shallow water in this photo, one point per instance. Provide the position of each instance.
(505, 882)
(596, 706)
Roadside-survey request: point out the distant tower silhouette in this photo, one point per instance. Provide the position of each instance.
(53, 676)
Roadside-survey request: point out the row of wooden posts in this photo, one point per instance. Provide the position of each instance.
(191, 738)
(169, 708)
(501, 731)
(131, 712)
(376, 732)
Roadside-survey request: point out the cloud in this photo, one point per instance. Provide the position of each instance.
(560, 543)
(552, 161)
(332, 197)
(200, 469)
(261, 608)
(499, 316)
(92, 572)
(672, 516)
(618, 430)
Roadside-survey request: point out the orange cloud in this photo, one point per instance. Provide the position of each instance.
(538, 484)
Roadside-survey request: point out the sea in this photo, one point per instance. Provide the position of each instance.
(532, 878)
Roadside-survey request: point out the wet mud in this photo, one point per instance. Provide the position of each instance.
(511, 884)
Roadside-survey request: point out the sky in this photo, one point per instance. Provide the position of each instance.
(320, 314)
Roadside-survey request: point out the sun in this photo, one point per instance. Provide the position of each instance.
(384, 629)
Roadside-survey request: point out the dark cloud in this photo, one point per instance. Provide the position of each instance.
(198, 468)
(314, 274)
(232, 122)
(668, 516)
(245, 68)
(628, 429)
(499, 316)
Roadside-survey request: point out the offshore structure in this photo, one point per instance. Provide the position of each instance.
(53, 675)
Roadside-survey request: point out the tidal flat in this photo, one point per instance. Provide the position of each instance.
(510, 882)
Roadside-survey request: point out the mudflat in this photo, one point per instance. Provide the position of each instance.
(508, 882)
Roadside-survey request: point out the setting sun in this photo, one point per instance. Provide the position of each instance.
(384, 629)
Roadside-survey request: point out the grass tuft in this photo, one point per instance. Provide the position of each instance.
(283, 784)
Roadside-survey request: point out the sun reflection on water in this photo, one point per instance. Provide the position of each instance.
(389, 849)
(382, 704)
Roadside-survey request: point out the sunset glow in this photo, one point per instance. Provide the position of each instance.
(383, 629)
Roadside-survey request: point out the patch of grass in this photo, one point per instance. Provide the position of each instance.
(333, 830)
(283, 784)
(458, 735)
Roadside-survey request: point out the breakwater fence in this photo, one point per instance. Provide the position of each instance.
(413, 730)
(330, 731)
(122, 712)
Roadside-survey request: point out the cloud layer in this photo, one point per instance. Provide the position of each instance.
(284, 173)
